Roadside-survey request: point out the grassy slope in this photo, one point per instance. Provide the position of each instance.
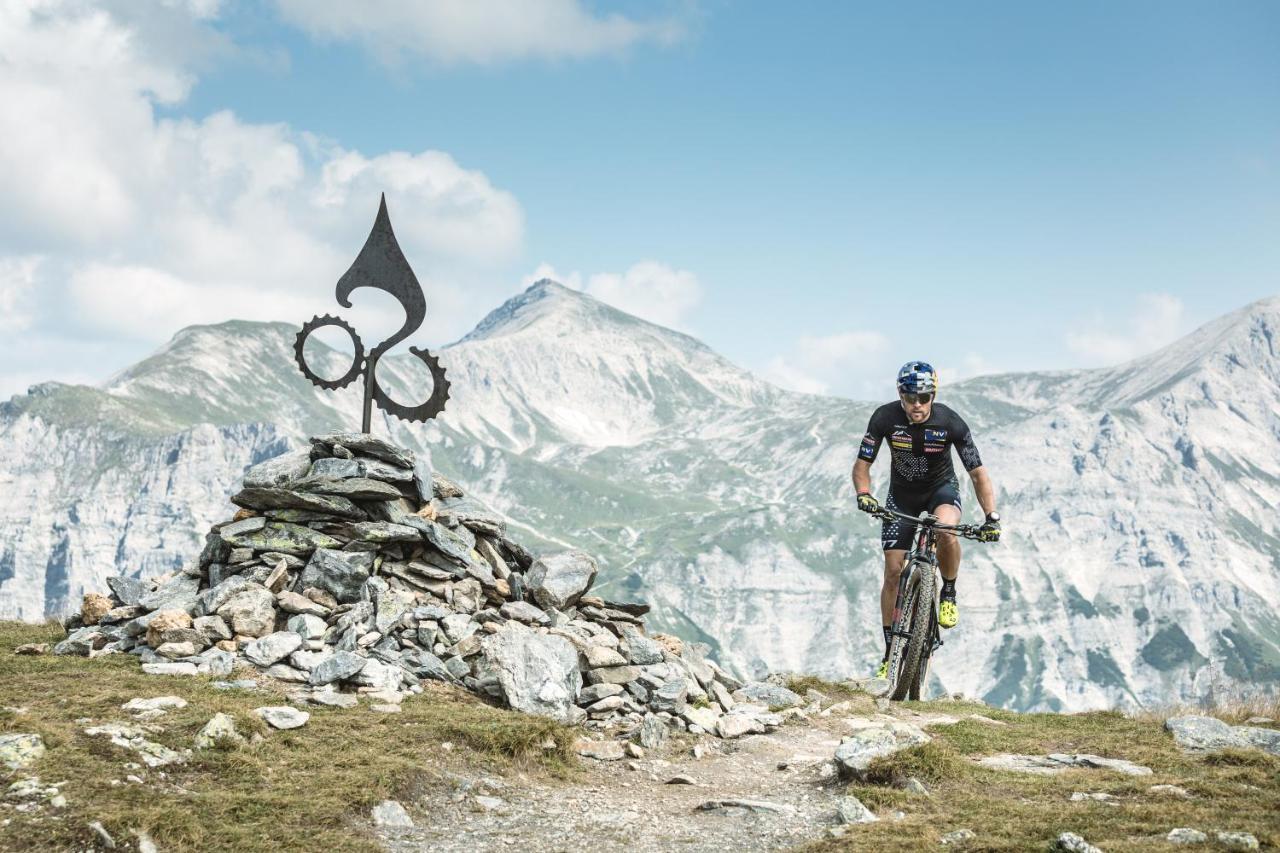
(1237, 791)
(296, 790)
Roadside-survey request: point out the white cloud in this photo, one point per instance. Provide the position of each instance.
(847, 363)
(479, 31)
(149, 223)
(650, 290)
(17, 286)
(1154, 320)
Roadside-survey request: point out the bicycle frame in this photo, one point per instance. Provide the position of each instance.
(921, 557)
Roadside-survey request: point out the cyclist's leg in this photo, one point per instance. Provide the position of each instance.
(945, 504)
(895, 539)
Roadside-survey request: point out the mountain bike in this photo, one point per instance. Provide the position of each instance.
(915, 612)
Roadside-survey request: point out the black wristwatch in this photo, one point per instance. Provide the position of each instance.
(993, 516)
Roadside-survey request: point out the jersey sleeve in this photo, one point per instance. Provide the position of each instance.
(965, 446)
(871, 441)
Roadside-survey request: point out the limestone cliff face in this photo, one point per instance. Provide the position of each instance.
(1141, 546)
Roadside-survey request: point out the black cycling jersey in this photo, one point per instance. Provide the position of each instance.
(921, 462)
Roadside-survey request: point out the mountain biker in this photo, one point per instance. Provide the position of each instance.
(920, 432)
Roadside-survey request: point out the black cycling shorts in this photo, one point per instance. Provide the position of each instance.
(897, 535)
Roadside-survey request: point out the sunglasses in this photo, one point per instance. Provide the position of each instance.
(917, 399)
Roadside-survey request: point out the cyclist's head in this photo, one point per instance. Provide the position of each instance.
(917, 377)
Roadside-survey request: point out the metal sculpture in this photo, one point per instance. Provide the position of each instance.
(380, 265)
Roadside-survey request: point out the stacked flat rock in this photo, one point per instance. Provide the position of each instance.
(350, 568)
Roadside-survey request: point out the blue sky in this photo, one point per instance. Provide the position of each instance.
(820, 191)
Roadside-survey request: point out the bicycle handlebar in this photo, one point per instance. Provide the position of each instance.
(968, 531)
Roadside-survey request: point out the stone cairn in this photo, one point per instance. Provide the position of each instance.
(351, 569)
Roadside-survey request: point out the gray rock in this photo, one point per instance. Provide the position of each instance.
(601, 750)
(285, 537)
(307, 626)
(340, 573)
(1073, 843)
(262, 499)
(250, 611)
(444, 540)
(652, 733)
(221, 726)
(1237, 840)
(1058, 762)
(458, 669)
(378, 675)
(612, 675)
(215, 662)
(764, 693)
(283, 716)
(181, 668)
(598, 656)
(357, 488)
(424, 664)
(1207, 734)
(212, 628)
(131, 738)
(220, 593)
(284, 672)
(390, 813)
(594, 693)
(339, 666)
(338, 469)
(750, 806)
(851, 810)
(377, 470)
(307, 661)
(279, 470)
(367, 445)
(1186, 835)
(537, 673)
(158, 703)
(559, 580)
(640, 649)
(523, 611)
(732, 726)
(177, 594)
(80, 641)
(959, 836)
(18, 751)
(292, 602)
(129, 591)
(457, 626)
(875, 739)
(1169, 791)
(382, 532)
(272, 648)
(670, 697)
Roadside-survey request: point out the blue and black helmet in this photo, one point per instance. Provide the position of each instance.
(917, 377)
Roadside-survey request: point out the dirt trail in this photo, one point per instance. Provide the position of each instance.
(628, 804)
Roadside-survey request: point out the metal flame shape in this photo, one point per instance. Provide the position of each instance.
(381, 265)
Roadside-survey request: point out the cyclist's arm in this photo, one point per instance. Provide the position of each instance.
(983, 488)
(867, 451)
(861, 476)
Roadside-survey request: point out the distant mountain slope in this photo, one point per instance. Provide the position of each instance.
(1139, 564)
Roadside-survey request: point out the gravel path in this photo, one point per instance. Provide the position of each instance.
(629, 804)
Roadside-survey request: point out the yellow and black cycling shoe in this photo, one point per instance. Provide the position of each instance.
(882, 671)
(948, 613)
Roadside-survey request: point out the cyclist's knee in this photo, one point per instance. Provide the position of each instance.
(893, 563)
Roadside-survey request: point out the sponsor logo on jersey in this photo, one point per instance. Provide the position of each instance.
(935, 435)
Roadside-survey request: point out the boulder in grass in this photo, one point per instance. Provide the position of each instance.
(537, 673)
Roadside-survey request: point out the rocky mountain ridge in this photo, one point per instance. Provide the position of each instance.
(724, 501)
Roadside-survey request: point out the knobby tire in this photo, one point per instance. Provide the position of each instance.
(906, 652)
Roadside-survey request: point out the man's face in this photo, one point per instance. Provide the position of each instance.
(917, 406)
